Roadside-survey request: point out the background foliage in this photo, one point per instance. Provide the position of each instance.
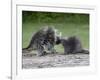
(70, 24)
(49, 17)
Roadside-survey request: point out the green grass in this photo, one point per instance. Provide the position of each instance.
(67, 29)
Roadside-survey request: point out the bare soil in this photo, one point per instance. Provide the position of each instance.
(30, 61)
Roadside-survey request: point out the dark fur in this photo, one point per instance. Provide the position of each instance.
(45, 37)
(72, 45)
(58, 40)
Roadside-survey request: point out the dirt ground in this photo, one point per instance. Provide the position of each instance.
(30, 61)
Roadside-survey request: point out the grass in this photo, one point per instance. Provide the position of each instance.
(67, 29)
